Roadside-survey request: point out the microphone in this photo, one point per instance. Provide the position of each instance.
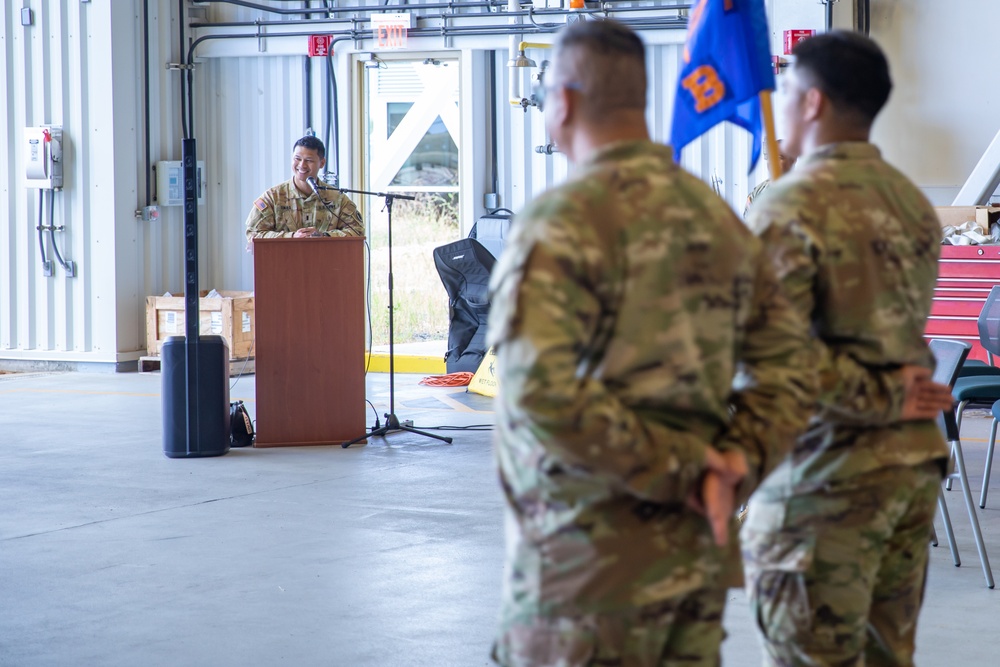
(316, 187)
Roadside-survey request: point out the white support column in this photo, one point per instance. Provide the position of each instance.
(474, 171)
(123, 180)
(102, 197)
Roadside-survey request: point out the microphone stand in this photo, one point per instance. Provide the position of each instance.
(391, 420)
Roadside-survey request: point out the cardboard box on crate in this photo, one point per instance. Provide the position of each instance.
(230, 316)
(984, 216)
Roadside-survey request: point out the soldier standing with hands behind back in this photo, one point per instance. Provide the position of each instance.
(623, 308)
(836, 539)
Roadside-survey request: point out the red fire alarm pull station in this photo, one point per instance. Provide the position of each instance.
(319, 45)
(793, 37)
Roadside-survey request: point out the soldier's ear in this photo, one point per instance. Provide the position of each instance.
(814, 104)
(564, 107)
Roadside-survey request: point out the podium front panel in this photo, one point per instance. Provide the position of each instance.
(309, 349)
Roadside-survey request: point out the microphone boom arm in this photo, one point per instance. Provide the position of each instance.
(386, 195)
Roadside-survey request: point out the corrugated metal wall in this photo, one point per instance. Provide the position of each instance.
(722, 155)
(248, 111)
(57, 70)
(81, 65)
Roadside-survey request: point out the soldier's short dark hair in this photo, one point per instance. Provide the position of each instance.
(313, 144)
(606, 61)
(849, 68)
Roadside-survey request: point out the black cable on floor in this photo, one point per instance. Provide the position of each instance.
(247, 361)
(471, 427)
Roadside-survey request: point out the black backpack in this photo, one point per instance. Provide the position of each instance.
(464, 267)
(241, 433)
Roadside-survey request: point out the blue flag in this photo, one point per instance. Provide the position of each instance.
(727, 62)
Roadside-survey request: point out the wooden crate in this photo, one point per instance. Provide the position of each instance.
(231, 316)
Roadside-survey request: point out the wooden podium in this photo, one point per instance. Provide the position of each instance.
(310, 314)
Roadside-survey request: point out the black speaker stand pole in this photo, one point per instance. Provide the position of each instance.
(392, 422)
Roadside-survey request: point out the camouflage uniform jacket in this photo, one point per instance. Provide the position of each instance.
(622, 307)
(856, 245)
(754, 194)
(283, 209)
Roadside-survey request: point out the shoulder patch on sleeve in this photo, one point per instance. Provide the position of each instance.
(261, 204)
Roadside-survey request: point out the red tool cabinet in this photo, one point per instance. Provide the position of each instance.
(965, 276)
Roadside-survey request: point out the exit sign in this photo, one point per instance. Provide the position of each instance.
(390, 30)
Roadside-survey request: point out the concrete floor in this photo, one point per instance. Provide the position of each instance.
(384, 555)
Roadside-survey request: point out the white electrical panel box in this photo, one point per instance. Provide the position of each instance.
(170, 183)
(43, 167)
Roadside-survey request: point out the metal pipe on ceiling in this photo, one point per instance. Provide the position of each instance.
(451, 31)
(355, 34)
(307, 76)
(863, 16)
(486, 4)
(452, 15)
(145, 103)
(180, 57)
(482, 4)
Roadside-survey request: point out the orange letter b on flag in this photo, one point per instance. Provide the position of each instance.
(705, 86)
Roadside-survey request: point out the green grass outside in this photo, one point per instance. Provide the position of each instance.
(421, 303)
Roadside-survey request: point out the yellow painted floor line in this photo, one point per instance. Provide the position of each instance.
(379, 363)
(455, 405)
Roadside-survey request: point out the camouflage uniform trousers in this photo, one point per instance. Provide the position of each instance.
(681, 632)
(836, 577)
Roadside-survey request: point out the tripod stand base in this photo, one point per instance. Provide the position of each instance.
(392, 424)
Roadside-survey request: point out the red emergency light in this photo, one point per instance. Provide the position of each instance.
(793, 37)
(319, 45)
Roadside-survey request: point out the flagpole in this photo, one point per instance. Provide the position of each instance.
(773, 157)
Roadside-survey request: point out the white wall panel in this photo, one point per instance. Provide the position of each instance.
(944, 109)
(80, 65)
(58, 71)
(250, 112)
(723, 153)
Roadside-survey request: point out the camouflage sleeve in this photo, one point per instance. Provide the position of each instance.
(554, 314)
(349, 222)
(849, 392)
(261, 221)
(852, 393)
(775, 389)
(754, 195)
